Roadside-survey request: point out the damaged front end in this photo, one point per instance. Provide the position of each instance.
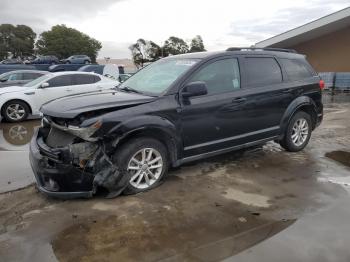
(69, 162)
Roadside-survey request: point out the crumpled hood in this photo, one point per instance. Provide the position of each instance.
(11, 89)
(71, 106)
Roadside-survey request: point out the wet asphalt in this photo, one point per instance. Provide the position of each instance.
(261, 204)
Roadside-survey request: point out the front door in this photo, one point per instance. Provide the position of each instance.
(59, 86)
(214, 121)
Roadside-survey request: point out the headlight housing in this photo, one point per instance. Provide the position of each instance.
(82, 132)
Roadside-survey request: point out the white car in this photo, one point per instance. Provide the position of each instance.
(18, 102)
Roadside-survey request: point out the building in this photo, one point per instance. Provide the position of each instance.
(325, 42)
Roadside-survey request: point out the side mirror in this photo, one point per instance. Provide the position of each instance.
(44, 85)
(197, 88)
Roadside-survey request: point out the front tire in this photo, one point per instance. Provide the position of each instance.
(15, 111)
(298, 132)
(145, 159)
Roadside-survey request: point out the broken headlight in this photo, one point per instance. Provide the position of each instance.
(82, 132)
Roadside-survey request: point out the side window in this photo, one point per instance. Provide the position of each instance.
(220, 76)
(263, 71)
(31, 76)
(295, 69)
(84, 79)
(15, 77)
(97, 79)
(64, 80)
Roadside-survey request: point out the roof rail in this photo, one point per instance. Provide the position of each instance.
(261, 49)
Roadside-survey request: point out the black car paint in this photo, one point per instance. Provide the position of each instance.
(194, 127)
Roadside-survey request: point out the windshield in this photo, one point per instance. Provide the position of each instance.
(38, 80)
(5, 76)
(158, 76)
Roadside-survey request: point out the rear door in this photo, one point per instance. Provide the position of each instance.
(267, 94)
(86, 83)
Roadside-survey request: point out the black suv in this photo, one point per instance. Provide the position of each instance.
(178, 109)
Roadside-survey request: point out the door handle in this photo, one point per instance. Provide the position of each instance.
(239, 100)
(69, 89)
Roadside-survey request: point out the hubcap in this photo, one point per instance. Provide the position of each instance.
(300, 132)
(145, 166)
(15, 111)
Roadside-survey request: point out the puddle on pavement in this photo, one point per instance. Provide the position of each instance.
(129, 239)
(16, 136)
(14, 162)
(249, 199)
(342, 157)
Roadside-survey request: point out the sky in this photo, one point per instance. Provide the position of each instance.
(119, 23)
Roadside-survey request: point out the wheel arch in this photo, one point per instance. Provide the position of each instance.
(303, 103)
(155, 127)
(16, 99)
(156, 133)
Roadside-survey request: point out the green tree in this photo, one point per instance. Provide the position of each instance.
(17, 41)
(175, 46)
(144, 51)
(63, 42)
(197, 44)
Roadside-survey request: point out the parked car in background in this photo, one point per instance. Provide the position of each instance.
(77, 59)
(176, 110)
(19, 77)
(12, 61)
(124, 77)
(47, 59)
(18, 102)
(109, 70)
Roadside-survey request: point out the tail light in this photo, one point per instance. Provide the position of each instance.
(321, 83)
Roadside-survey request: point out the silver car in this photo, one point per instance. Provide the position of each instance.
(19, 77)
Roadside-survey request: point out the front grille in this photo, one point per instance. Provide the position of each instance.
(58, 138)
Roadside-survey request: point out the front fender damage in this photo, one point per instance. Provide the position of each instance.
(108, 175)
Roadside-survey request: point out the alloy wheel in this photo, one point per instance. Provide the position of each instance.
(146, 167)
(300, 131)
(15, 112)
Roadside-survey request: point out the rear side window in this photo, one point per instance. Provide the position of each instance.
(296, 69)
(97, 78)
(64, 80)
(220, 76)
(263, 71)
(84, 79)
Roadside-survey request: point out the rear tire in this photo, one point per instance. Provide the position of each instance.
(298, 132)
(146, 161)
(15, 111)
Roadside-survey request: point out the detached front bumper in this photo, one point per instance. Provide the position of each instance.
(55, 178)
